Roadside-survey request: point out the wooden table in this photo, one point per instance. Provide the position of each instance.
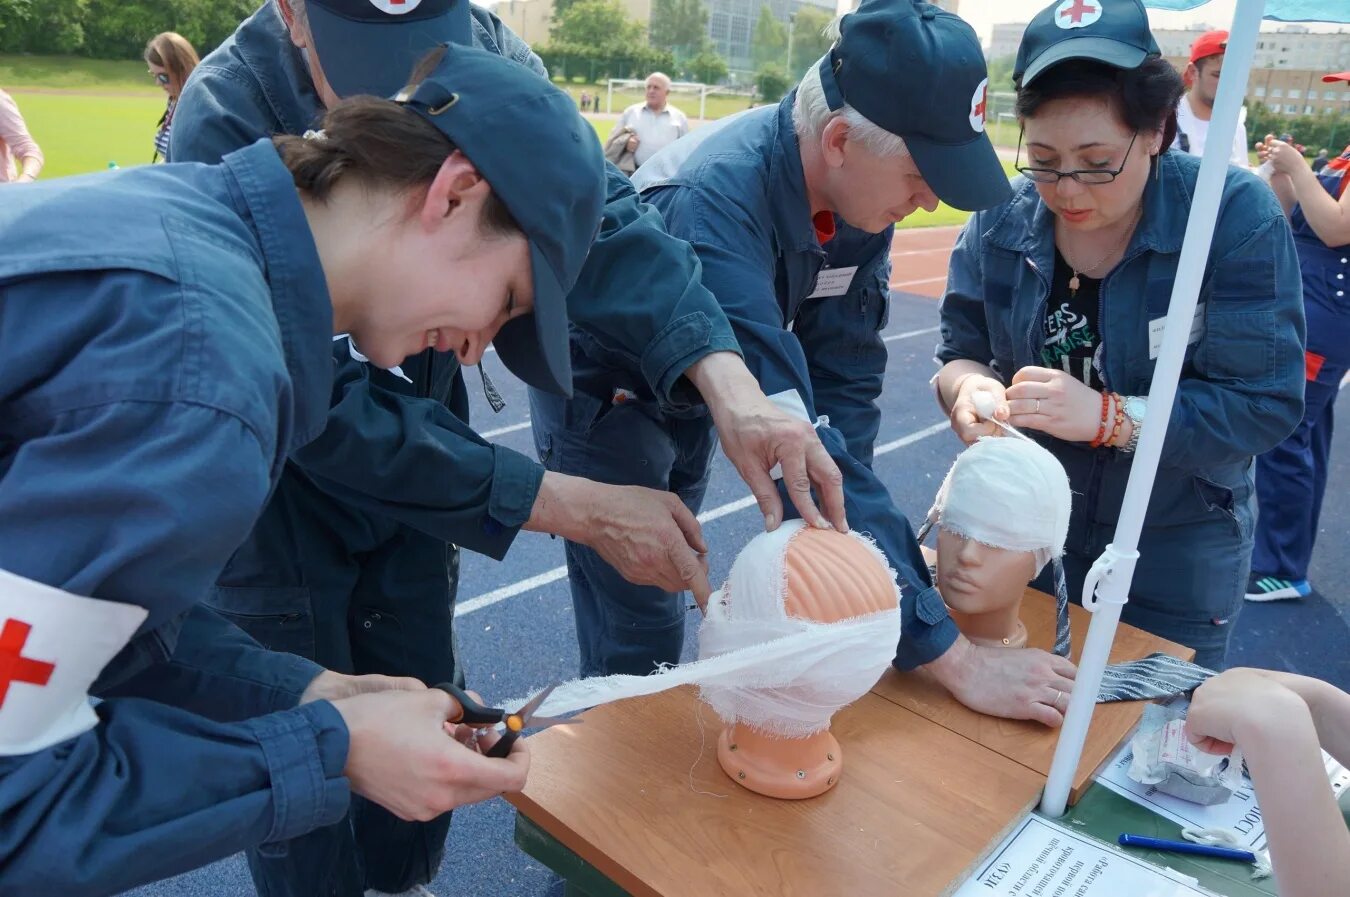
(1028, 743)
(928, 788)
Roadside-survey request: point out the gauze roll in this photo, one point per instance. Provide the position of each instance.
(757, 665)
(1007, 493)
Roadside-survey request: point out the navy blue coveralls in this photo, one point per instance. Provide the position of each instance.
(353, 562)
(1291, 478)
(739, 197)
(167, 340)
(1241, 388)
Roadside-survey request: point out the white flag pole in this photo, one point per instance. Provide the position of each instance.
(1107, 586)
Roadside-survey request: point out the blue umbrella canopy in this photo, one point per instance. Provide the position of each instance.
(1280, 10)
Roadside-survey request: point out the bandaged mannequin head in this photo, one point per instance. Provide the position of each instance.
(1002, 514)
(837, 595)
(806, 623)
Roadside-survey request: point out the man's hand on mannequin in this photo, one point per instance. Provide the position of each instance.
(1015, 683)
(649, 536)
(757, 435)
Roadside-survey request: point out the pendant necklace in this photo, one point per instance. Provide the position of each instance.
(1074, 282)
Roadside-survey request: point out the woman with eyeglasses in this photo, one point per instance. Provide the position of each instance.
(1056, 301)
(170, 58)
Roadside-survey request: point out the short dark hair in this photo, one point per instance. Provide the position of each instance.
(1144, 98)
(382, 143)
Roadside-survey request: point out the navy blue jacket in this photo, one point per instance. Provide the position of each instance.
(739, 197)
(166, 333)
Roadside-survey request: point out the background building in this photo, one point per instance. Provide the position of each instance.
(1286, 73)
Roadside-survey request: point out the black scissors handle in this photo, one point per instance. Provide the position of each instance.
(471, 712)
(503, 745)
(517, 722)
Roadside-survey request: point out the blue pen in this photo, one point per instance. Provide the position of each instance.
(1204, 850)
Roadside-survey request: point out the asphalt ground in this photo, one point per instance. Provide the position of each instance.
(514, 618)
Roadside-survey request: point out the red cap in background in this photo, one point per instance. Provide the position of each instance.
(1211, 43)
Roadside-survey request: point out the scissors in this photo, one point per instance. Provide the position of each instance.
(472, 713)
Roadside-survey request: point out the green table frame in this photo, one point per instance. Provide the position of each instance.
(1101, 814)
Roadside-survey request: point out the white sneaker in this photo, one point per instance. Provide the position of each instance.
(414, 891)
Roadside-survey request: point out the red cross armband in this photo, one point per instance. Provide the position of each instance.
(53, 645)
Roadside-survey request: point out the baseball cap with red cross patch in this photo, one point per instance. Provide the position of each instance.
(370, 46)
(919, 73)
(1114, 32)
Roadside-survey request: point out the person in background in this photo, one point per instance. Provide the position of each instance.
(1054, 301)
(654, 123)
(1197, 106)
(1320, 161)
(1291, 478)
(20, 157)
(1283, 722)
(170, 58)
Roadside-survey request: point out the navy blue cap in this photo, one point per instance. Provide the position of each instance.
(918, 72)
(541, 158)
(370, 46)
(1115, 32)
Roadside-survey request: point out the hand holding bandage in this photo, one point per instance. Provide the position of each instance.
(1055, 403)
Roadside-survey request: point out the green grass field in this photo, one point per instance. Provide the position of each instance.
(86, 113)
(81, 133)
(76, 73)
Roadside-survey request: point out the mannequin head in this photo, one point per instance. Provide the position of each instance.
(830, 601)
(1002, 514)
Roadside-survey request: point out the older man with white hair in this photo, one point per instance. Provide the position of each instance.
(654, 123)
(791, 209)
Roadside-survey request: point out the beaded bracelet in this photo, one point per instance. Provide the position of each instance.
(1120, 419)
(1101, 430)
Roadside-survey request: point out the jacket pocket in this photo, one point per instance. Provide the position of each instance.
(1224, 501)
(277, 617)
(1240, 346)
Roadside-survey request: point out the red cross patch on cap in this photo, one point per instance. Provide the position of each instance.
(1077, 13)
(979, 104)
(395, 7)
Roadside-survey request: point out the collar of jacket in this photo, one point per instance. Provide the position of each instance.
(264, 195)
(264, 47)
(789, 209)
(1026, 225)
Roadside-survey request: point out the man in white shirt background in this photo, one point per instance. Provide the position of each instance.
(655, 123)
(1196, 107)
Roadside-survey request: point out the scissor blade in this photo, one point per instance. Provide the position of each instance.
(526, 713)
(543, 722)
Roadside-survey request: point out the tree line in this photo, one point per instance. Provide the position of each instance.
(114, 29)
(594, 39)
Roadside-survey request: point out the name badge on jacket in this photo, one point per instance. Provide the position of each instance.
(1158, 325)
(833, 282)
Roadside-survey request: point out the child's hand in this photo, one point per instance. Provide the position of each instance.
(1234, 702)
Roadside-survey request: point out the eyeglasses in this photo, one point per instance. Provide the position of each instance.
(161, 77)
(1081, 175)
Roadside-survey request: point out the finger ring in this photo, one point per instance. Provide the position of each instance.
(1058, 695)
(1038, 407)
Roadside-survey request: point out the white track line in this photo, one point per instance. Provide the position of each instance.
(908, 333)
(496, 596)
(915, 283)
(502, 431)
